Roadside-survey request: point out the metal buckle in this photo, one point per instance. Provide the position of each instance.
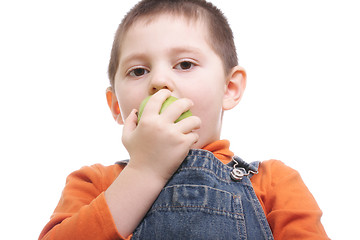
(237, 174)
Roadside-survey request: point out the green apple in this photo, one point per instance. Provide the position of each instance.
(167, 102)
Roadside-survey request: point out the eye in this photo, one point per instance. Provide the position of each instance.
(137, 72)
(185, 65)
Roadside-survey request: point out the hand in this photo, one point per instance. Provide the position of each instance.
(157, 146)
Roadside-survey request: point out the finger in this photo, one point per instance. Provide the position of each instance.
(174, 110)
(192, 138)
(154, 104)
(189, 124)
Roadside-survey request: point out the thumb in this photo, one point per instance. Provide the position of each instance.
(130, 122)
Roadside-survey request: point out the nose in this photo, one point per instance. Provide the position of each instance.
(160, 80)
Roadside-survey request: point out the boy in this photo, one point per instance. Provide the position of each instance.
(181, 181)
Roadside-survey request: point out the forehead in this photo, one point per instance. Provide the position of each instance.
(164, 30)
(189, 21)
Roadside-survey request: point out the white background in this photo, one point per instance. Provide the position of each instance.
(301, 104)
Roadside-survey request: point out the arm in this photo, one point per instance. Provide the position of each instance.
(130, 197)
(157, 146)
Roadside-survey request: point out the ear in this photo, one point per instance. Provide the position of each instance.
(235, 87)
(113, 105)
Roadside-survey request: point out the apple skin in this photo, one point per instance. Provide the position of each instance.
(167, 102)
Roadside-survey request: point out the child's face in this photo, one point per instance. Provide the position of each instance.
(172, 53)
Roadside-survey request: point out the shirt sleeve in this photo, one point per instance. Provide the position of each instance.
(82, 212)
(290, 208)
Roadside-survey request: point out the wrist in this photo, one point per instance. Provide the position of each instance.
(145, 174)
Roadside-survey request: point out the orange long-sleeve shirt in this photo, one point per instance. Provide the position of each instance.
(82, 212)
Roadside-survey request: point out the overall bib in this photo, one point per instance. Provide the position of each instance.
(203, 201)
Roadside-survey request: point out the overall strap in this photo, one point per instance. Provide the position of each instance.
(243, 169)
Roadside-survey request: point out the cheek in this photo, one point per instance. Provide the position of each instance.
(208, 97)
(207, 106)
(128, 101)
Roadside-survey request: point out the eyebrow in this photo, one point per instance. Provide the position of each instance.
(133, 56)
(185, 49)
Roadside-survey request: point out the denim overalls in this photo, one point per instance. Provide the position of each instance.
(203, 201)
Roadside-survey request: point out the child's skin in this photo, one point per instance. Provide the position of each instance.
(168, 56)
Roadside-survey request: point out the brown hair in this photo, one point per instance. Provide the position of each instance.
(221, 36)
